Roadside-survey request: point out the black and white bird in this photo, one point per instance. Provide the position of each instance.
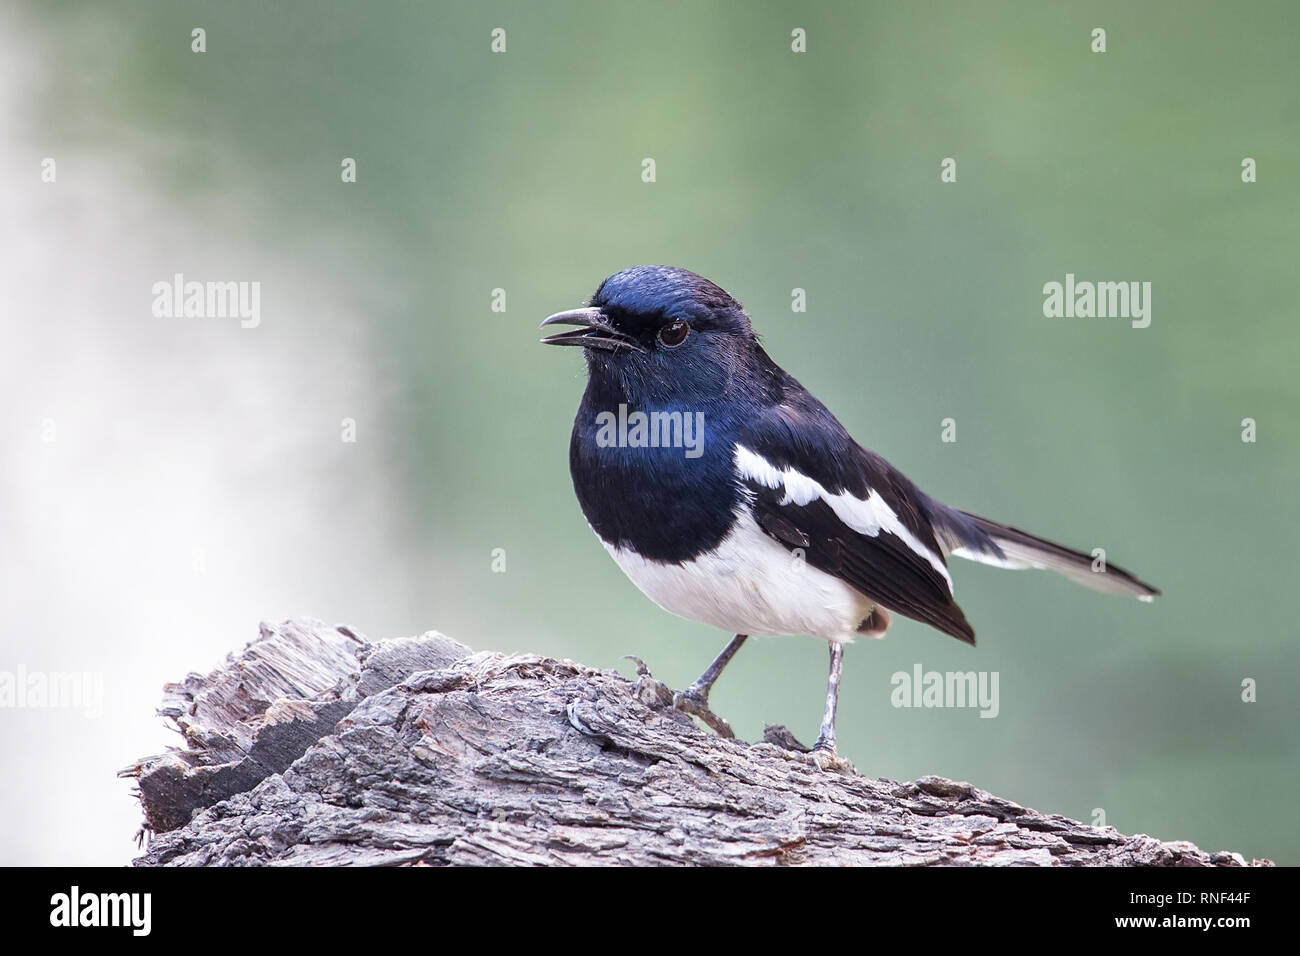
(730, 495)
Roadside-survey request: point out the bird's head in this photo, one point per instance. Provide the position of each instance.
(659, 334)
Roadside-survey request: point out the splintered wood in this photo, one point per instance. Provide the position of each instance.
(314, 746)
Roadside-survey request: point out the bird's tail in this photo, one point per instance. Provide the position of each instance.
(990, 542)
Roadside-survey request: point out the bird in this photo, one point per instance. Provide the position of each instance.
(730, 495)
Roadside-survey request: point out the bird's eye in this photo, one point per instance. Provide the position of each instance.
(674, 333)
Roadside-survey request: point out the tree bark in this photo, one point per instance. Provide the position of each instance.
(314, 746)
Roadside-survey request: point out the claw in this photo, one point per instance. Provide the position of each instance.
(651, 692)
(824, 756)
(828, 758)
(691, 702)
(656, 694)
(821, 755)
(641, 669)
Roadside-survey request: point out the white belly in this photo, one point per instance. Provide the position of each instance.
(750, 585)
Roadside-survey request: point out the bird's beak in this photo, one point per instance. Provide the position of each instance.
(593, 331)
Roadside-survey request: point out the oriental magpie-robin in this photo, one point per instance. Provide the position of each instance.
(730, 495)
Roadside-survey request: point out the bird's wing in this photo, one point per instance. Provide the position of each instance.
(851, 513)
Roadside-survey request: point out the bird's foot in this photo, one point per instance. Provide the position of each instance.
(653, 693)
(691, 701)
(694, 701)
(824, 756)
(821, 755)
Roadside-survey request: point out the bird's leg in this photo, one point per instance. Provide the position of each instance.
(826, 738)
(823, 754)
(695, 699)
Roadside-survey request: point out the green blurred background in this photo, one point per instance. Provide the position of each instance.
(775, 170)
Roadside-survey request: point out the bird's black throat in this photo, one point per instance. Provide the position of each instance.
(658, 501)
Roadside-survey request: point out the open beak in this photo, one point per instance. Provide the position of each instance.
(593, 331)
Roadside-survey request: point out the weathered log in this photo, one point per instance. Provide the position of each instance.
(314, 746)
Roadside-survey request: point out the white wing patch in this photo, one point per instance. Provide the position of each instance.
(1009, 563)
(869, 516)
